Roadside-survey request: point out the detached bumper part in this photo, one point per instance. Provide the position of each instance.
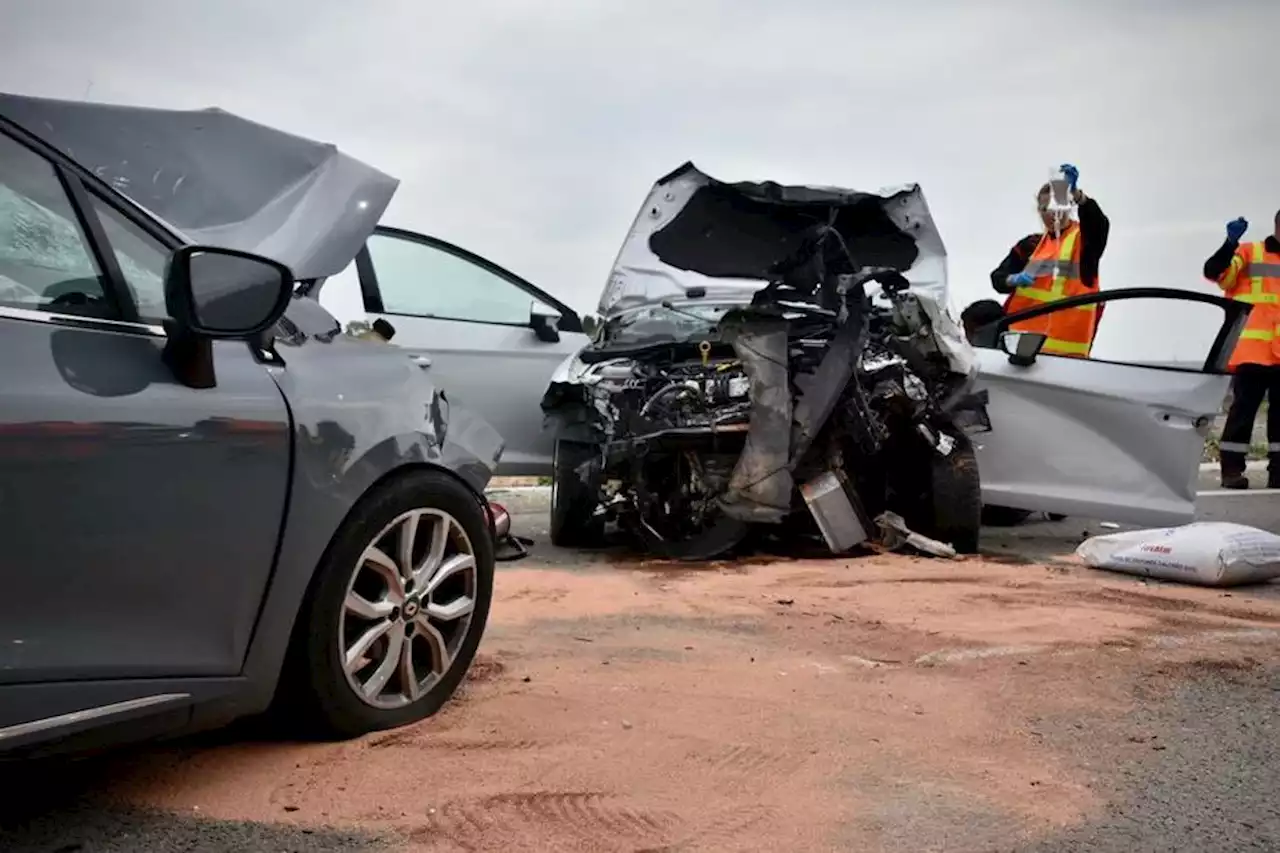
(836, 511)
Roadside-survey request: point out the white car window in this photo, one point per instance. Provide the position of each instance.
(423, 281)
(45, 259)
(141, 258)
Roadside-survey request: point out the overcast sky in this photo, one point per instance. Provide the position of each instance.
(531, 131)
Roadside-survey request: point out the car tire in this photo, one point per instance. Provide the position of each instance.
(344, 684)
(574, 523)
(956, 499)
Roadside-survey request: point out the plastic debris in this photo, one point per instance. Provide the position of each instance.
(1205, 553)
(895, 534)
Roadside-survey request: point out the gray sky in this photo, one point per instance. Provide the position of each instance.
(530, 131)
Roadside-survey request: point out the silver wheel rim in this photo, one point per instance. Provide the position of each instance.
(407, 609)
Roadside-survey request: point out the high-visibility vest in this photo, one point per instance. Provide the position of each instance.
(1253, 276)
(1055, 265)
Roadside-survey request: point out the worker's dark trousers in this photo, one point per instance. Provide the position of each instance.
(1249, 386)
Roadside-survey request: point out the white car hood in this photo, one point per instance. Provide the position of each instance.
(697, 232)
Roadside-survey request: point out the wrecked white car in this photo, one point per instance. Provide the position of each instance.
(756, 339)
(781, 357)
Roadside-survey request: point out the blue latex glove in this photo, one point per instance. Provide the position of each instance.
(1022, 279)
(1072, 174)
(1236, 229)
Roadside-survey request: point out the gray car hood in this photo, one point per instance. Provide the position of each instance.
(697, 232)
(221, 180)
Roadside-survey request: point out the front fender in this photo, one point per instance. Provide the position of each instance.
(361, 412)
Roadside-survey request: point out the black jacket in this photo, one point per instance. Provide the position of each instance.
(1221, 259)
(1094, 229)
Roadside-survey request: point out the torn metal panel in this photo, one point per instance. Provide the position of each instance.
(760, 487)
(827, 386)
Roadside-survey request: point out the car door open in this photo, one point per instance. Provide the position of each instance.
(1101, 439)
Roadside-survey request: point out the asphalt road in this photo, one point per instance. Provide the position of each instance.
(1195, 768)
(1207, 782)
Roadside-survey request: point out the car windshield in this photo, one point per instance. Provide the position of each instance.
(659, 324)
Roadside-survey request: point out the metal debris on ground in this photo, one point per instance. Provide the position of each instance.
(895, 534)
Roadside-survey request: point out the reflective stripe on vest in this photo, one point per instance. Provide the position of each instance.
(1259, 271)
(1063, 270)
(1061, 347)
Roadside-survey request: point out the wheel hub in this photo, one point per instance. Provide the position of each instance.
(408, 608)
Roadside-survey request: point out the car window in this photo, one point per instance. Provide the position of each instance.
(45, 258)
(421, 280)
(141, 258)
(1155, 332)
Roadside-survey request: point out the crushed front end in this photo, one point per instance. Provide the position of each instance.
(804, 392)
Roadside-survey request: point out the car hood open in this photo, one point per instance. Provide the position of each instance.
(697, 232)
(221, 180)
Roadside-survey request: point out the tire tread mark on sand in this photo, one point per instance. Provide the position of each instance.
(1029, 595)
(518, 817)
(427, 740)
(749, 760)
(724, 828)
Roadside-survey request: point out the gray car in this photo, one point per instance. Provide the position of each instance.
(211, 500)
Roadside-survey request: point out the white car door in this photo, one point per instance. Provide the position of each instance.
(1102, 439)
(489, 338)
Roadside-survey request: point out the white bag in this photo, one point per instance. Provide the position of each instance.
(1206, 553)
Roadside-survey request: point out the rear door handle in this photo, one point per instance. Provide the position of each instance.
(421, 360)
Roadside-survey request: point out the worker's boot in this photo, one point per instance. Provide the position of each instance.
(1237, 480)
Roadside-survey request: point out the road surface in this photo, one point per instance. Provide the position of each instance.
(1011, 703)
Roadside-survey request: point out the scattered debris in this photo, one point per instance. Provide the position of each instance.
(507, 546)
(1206, 553)
(895, 534)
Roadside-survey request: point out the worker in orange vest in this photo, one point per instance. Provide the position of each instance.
(1058, 263)
(1250, 272)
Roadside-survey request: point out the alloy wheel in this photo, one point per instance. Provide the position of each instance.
(408, 608)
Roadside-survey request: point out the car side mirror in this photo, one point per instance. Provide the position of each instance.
(1022, 347)
(211, 293)
(544, 320)
(223, 293)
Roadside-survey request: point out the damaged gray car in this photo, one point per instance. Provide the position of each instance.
(216, 502)
(765, 362)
